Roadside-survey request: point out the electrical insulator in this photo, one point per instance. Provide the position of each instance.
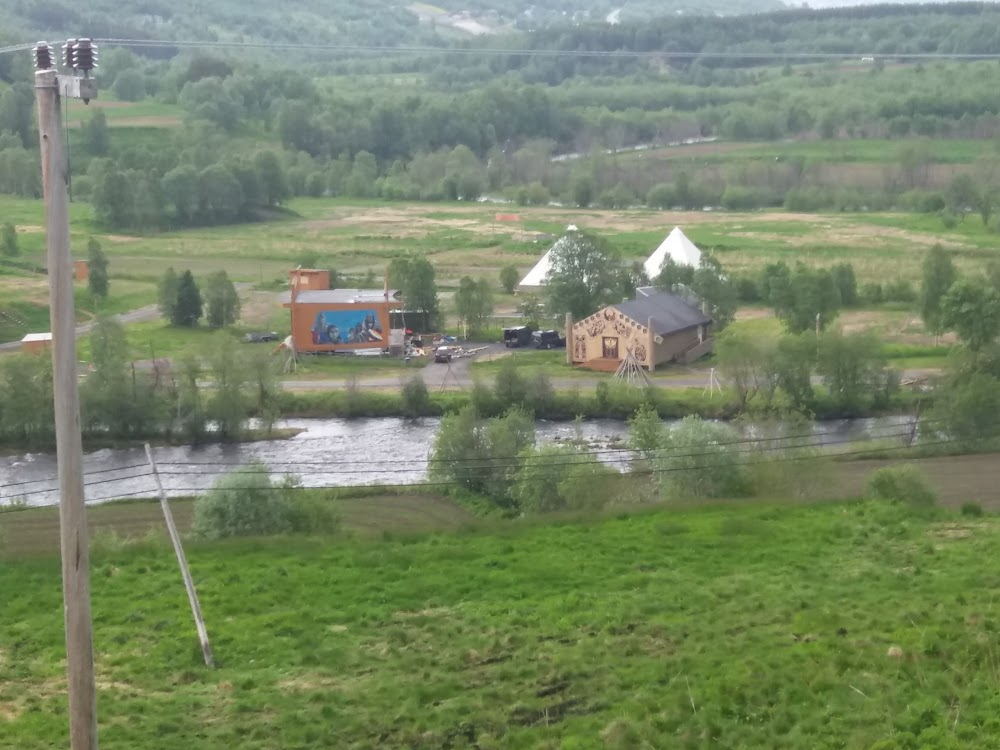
(67, 53)
(84, 55)
(43, 56)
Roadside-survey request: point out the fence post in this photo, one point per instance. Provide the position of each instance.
(199, 621)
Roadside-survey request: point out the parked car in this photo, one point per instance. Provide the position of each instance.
(517, 336)
(442, 354)
(260, 337)
(548, 340)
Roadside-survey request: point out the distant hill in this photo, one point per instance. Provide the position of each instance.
(377, 22)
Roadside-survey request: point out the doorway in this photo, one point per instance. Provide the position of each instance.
(610, 347)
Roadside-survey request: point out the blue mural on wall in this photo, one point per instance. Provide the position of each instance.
(347, 327)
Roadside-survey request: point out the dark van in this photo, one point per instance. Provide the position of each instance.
(518, 336)
(548, 340)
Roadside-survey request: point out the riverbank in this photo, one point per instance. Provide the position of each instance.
(606, 401)
(92, 443)
(343, 453)
(380, 511)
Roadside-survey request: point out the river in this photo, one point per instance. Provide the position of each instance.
(327, 452)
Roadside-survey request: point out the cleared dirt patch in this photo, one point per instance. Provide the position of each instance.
(956, 479)
(402, 222)
(257, 308)
(36, 530)
(147, 121)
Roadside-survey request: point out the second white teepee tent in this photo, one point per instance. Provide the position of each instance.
(537, 276)
(678, 248)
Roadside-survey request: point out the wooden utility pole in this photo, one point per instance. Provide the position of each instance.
(175, 538)
(69, 445)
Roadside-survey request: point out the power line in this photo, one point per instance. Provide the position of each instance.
(524, 52)
(306, 468)
(459, 483)
(487, 465)
(96, 472)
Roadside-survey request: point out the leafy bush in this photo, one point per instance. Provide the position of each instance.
(899, 290)
(647, 433)
(415, 399)
(540, 394)
(509, 388)
(747, 289)
(901, 484)
(562, 477)
(701, 460)
(248, 502)
(312, 512)
(482, 455)
(967, 408)
(972, 510)
(872, 294)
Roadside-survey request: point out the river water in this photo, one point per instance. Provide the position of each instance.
(330, 452)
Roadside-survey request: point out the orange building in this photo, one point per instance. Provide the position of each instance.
(308, 278)
(81, 270)
(329, 320)
(36, 343)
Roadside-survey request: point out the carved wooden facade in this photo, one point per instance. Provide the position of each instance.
(609, 334)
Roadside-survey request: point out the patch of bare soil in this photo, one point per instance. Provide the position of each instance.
(120, 238)
(905, 329)
(754, 313)
(695, 149)
(147, 121)
(848, 234)
(403, 221)
(256, 308)
(9, 712)
(956, 479)
(25, 289)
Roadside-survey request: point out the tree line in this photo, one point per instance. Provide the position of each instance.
(122, 401)
(505, 138)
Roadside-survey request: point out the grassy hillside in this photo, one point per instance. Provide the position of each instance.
(824, 627)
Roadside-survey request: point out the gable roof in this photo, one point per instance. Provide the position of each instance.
(538, 275)
(670, 313)
(676, 246)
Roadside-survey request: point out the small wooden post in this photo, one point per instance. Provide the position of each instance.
(570, 351)
(199, 621)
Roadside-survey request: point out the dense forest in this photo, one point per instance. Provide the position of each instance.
(376, 22)
(254, 134)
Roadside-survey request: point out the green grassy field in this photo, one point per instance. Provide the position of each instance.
(856, 151)
(856, 625)
(360, 237)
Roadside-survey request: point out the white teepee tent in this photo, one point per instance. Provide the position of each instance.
(537, 276)
(677, 247)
